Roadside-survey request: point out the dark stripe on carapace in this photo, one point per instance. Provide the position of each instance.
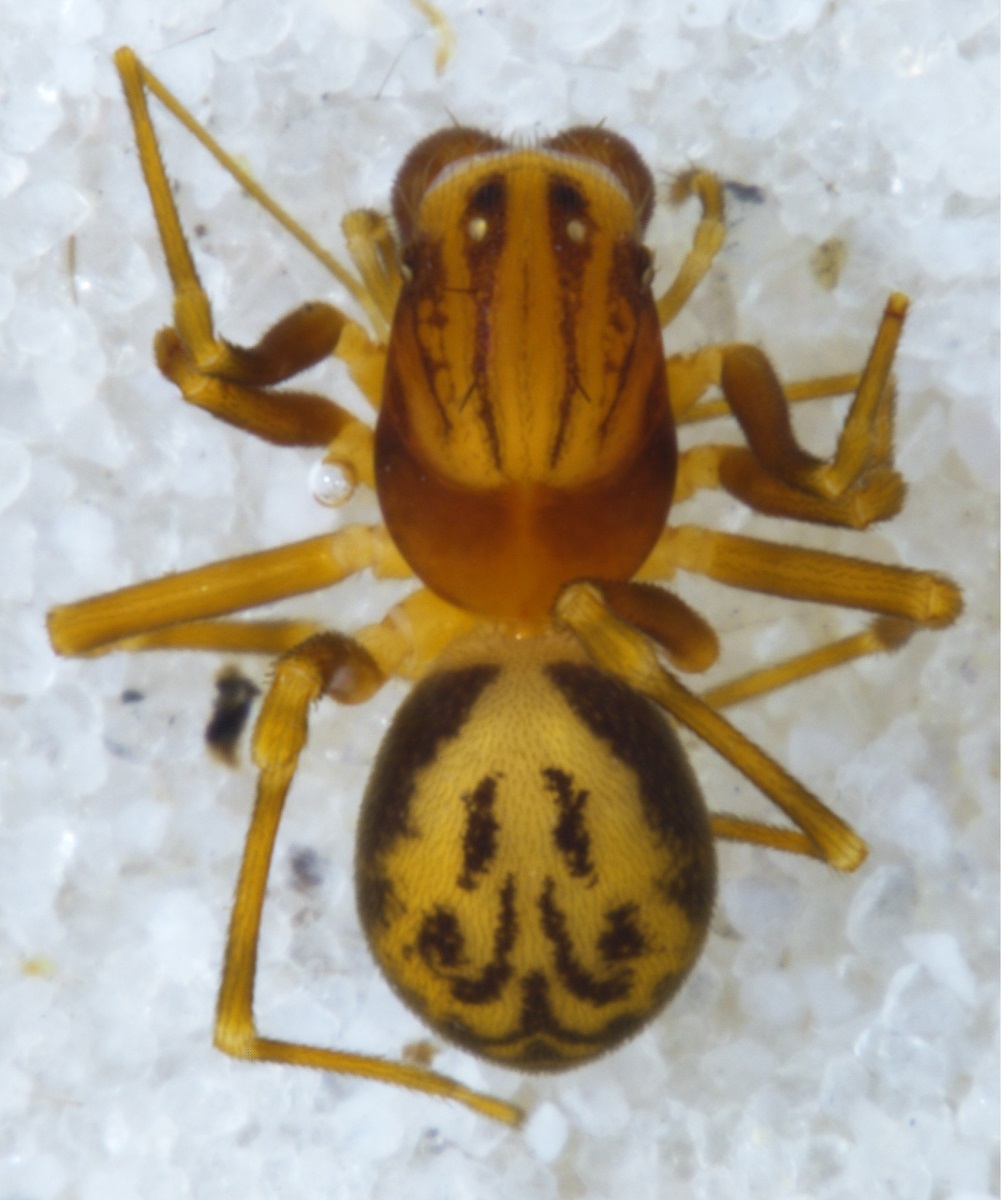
(434, 712)
(570, 834)
(488, 202)
(579, 981)
(629, 263)
(480, 837)
(428, 283)
(566, 203)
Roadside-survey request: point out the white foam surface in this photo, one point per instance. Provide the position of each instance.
(838, 1040)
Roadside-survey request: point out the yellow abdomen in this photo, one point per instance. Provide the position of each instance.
(535, 868)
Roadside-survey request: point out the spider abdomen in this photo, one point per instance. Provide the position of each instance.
(535, 867)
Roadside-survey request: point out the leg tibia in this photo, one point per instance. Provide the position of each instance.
(800, 574)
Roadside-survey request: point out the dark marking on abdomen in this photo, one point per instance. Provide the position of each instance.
(442, 947)
(570, 834)
(434, 713)
(480, 838)
(572, 974)
(644, 740)
(622, 940)
(440, 942)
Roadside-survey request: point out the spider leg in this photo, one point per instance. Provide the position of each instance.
(729, 828)
(799, 573)
(687, 638)
(688, 384)
(773, 474)
(225, 637)
(98, 623)
(628, 654)
(881, 636)
(229, 381)
(331, 664)
(706, 242)
(904, 599)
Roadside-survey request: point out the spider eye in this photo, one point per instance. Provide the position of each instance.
(577, 231)
(488, 198)
(567, 198)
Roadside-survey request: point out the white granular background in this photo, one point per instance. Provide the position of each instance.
(838, 1040)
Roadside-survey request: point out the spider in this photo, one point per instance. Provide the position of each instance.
(535, 866)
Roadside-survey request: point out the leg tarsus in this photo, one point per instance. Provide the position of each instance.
(756, 833)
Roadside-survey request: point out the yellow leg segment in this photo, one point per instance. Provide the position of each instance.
(774, 475)
(709, 237)
(881, 636)
(800, 574)
(320, 665)
(223, 587)
(369, 239)
(686, 388)
(414, 633)
(756, 833)
(906, 599)
(222, 637)
(229, 381)
(137, 79)
(626, 653)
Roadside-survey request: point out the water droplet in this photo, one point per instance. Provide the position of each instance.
(332, 483)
